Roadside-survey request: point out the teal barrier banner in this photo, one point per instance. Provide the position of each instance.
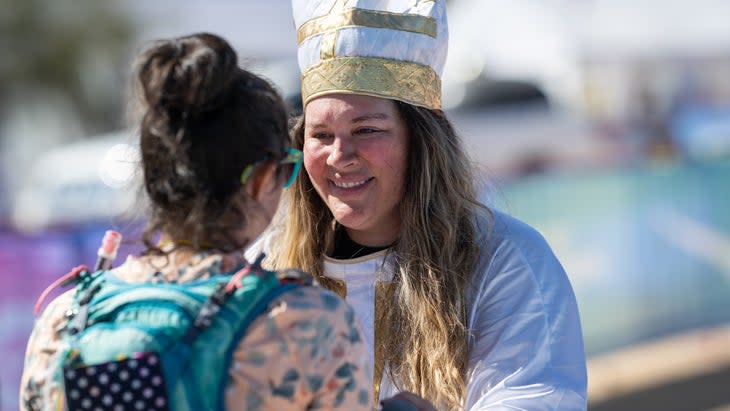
(647, 249)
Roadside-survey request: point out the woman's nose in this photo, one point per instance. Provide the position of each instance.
(343, 153)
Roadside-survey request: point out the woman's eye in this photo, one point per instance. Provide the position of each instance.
(320, 136)
(366, 130)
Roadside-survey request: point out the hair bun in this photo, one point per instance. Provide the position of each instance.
(187, 75)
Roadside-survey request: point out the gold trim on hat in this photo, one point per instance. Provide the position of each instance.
(415, 23)
(328, 45)
(412, 83)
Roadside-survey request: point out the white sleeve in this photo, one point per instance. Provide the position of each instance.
(526, 345)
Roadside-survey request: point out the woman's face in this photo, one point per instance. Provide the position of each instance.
(355, 153)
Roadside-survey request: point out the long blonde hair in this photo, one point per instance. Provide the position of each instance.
(424, 330)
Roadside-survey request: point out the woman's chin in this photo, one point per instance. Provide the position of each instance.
(350, 222)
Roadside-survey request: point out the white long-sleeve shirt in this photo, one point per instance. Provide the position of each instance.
(526, 346)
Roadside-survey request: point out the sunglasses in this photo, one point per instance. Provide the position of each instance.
(288, 165)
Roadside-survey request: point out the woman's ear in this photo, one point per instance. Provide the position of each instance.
(263, 181)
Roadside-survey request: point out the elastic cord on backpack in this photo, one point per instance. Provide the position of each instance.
(61, 282)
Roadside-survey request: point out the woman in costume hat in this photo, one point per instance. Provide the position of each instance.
(463, 307)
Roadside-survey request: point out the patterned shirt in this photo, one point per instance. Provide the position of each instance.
(306, 353)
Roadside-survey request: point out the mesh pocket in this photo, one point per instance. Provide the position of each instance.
(131, 384)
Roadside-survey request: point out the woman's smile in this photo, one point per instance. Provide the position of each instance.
(351, 186)
(355, 154)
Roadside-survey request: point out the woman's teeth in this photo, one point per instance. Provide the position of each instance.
(349, 185)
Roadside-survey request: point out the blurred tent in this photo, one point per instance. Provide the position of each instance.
(90, 180)
(650, 28)
(518, 40)
(558, 84)
(548, 42)
(257, 29)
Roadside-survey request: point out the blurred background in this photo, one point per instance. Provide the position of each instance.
(603, 123)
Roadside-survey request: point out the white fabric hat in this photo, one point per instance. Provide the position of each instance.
(393, 49)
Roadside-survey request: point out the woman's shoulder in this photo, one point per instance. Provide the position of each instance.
(307, 348)
(497, 229)
(302, 310)
(312, 303)
(515, 251)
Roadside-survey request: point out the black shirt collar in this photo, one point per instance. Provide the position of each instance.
(346, 249)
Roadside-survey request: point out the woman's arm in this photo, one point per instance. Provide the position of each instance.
(526, 350)
(38, 387)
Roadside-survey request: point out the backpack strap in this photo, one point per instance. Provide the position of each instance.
(182, 350)
(220, 296)
(87, 285)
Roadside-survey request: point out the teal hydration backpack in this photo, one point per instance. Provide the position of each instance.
(160, 346)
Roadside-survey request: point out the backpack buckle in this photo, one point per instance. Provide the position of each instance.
(235, 281)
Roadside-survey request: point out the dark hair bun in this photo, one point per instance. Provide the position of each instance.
(204, 120)
(187, 75)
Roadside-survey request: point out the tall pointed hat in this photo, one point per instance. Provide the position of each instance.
(393, 49)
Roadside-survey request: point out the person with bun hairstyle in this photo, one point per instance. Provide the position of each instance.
(216, 155)
(463, 306)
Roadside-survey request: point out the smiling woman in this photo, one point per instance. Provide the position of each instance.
(355, 151)
(463, 307)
